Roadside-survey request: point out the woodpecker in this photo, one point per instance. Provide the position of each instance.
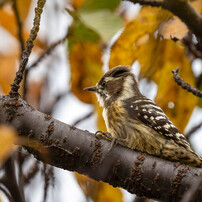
(137, 122)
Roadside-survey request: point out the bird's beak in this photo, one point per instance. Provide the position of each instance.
(92, 88)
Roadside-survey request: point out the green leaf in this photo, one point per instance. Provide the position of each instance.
(90, 5)
(79, 32)
(104, 22)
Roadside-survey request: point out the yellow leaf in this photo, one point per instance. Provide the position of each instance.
(170, 93)
(106, 192)
(98, 191)
(7, 71)
(171, 56)
(123, 51)
(86, 69)
(157, 58)
(7, 138)
(162, 57)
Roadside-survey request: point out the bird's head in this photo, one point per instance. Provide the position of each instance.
(116, 84)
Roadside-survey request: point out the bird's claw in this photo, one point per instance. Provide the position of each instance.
(107, 135)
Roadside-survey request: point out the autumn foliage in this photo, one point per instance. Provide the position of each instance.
(154, 39)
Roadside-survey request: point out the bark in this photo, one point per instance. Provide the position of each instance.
(67, 147)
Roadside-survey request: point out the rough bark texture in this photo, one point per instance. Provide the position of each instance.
(67, 147)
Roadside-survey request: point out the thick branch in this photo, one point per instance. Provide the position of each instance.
(182, 9)
(28, 48)
(72, 149)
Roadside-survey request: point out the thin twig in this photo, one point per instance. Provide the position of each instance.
(41, 57)
(199, 81)
(49, 177)
(27, 51)
(148, 2)
(192, 47)
(185, 85)
(194, 129)
(83, 118)
(47, 52)
(19, 25)
(48, 109)
(11, 182)
(32, 172)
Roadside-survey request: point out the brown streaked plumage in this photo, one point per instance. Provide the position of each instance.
(137, 122)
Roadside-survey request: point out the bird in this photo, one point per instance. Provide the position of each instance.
(138, 122)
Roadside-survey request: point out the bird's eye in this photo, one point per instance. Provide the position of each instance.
(103, 83)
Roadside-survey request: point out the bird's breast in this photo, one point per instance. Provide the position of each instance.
(114, 117)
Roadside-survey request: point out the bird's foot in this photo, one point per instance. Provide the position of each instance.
(108, 136)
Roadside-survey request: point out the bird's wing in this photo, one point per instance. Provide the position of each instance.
(153, 116)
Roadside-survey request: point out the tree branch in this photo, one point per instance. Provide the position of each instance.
(193, 49)
(19, 25)
(182, 9)
(185, 85)
(67, 147)
(88, 115)
(41, 57)
(194, 129)
(154, 3)
(29, 45)
(47, 52)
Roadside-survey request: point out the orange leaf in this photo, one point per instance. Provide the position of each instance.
(7, 71)
(162, 57)
(86, 69)
(98, 191)
(77, 4)
(8, 19)
(7, 138)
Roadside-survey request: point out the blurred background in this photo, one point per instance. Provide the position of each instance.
(78, 41)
